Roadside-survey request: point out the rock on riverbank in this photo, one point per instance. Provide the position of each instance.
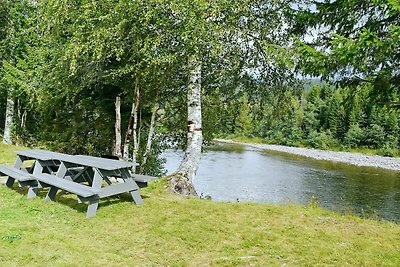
(342, 157)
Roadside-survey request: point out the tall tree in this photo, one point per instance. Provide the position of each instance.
(352, 41)
(182, 180)
(16, 38)
(222, 34)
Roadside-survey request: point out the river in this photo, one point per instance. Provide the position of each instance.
(237, 173)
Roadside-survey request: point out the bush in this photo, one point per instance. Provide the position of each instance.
(387, 151)
(375, 136)
(355, 136)
(320, 140)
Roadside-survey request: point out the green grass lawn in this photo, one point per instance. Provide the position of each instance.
(172, 231)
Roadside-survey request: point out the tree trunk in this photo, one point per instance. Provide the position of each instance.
(131, 130)
(150, 136)
(117, 149)
(182, 179)
(23, 119)
(134, 128)
(9, 120)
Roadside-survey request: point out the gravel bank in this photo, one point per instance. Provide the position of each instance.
(343, 157)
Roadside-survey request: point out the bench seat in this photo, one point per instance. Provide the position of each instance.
(15, 173)
(143, 178)
(64, 184)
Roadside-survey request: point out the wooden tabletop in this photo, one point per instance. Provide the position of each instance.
(88, 161)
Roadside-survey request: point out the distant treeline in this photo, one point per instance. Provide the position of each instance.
(322, 117)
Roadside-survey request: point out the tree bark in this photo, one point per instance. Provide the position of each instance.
(132, 125)
(150, 136)
(9, 120)
(117, 148)
(23, 119)
(182, 179)
(134, 128)
(129, 131)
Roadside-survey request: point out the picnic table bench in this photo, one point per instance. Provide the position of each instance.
(85, 176)
(13, 173)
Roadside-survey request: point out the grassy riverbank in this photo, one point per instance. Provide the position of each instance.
(171, 231)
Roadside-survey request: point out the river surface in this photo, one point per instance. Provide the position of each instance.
(237, 173)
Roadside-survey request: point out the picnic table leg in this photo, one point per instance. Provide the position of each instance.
(135, 193)
(51, 195)
(89, 176)
(92, 208)
(18, 162)
(32, 192)
(37, 169)
(10, 181)
(97, 179)
(62, 170)
(94, 202)
(136, 197)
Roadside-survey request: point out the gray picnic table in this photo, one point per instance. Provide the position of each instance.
(85, 176)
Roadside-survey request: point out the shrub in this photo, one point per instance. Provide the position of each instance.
(320, 140)
(355, 136)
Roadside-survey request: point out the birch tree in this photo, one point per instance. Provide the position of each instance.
(181, 181)
(214, 31)
(117, 146)
(4, 29)
(16, 19)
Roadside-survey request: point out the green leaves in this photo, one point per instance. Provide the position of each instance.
(356, 39)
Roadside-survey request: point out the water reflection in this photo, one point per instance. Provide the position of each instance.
(237, 173)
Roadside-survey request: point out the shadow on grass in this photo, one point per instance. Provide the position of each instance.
(24, 191)
(71, 200)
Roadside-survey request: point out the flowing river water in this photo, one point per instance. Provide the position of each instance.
(237, 173)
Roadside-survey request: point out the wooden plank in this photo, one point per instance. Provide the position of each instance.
(80, 160)
(116, 189)
(70, 186)
(143, 178)
(43, 154)
(102, 163)
(15, 173)
(32, 154)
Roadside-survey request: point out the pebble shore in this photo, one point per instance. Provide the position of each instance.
(356, 159)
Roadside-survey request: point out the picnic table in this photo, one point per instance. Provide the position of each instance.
(90, 178)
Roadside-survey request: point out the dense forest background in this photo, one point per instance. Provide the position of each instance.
(64, 64)
(323, 117)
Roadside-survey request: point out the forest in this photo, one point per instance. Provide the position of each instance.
(129, 77)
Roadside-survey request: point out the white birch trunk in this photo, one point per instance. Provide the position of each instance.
(129, 132)
(134, 128)
(23, 119)
(9, 120)
(182, 180)
(150, 136)
(132, 125)
(117, 151)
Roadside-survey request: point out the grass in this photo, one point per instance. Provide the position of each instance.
(245, 139)
(172, 231)
(7, 155)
